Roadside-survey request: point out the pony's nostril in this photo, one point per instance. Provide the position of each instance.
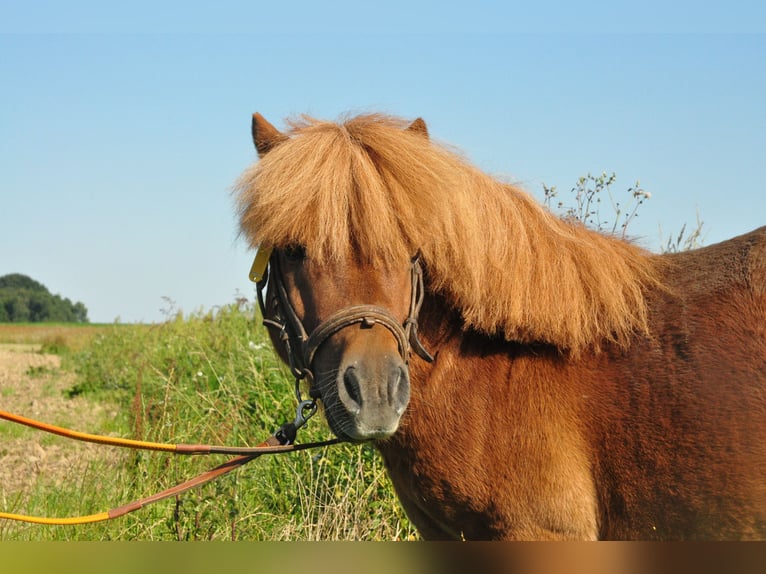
(351, 383)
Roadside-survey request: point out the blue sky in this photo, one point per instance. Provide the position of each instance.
(123, 127)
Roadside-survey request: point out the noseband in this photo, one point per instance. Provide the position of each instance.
(278, 313)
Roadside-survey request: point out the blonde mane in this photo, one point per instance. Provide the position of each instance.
(368, 187)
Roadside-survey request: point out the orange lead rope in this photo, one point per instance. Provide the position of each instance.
(137, 504)
(112, 441)
(280, 441)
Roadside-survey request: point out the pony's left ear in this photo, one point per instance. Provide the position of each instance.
(419, 126)
(265, 136)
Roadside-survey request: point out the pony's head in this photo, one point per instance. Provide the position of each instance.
(345, 323)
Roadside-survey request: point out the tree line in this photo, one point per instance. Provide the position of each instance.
(24, 300)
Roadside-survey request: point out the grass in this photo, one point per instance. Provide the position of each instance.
(206, 378)
(53, 338)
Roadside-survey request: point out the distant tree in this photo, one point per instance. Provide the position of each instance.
(16, 306)
(39, 305)
(22, 299)
(80, 313)
(19, 281)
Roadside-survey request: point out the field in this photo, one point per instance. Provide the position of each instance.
(206, 378)
(50, 335)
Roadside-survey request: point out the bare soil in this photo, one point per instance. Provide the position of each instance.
(32, 385)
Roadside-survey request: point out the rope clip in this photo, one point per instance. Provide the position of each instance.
(306, 410)
(288, 431)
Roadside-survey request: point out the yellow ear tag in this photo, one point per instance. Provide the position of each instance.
(261, 261)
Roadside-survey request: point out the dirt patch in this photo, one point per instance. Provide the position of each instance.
(32, 385)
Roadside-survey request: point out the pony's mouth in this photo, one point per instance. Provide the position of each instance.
(348, 429)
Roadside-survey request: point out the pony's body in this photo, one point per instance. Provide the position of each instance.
(663, 441)
(581, 387)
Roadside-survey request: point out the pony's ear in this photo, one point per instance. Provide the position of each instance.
(265, 136)
(419, 126)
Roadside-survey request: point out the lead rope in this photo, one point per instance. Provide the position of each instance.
(281, 441)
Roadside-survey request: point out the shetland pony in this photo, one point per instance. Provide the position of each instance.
(571, 384)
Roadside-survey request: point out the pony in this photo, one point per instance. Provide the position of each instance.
(523, 377)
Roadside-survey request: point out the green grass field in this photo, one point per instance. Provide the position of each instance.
(207, 378)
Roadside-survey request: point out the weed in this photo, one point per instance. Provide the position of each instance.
(591, 192)
(38, 371)
(54, 345)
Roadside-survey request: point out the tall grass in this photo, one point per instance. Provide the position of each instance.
(212, 378)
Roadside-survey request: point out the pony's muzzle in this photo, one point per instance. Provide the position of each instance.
(374, 397)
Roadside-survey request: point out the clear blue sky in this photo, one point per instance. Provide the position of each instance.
(123, 126)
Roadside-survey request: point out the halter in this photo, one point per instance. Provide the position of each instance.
(301, 347)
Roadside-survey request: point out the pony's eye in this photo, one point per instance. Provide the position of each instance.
(295, 252)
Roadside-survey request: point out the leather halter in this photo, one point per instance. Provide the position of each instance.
(301, 347)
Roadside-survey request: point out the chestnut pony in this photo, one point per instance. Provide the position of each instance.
(522, 376)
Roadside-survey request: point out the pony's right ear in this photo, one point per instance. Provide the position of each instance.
(265, 136)
(419, 127)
